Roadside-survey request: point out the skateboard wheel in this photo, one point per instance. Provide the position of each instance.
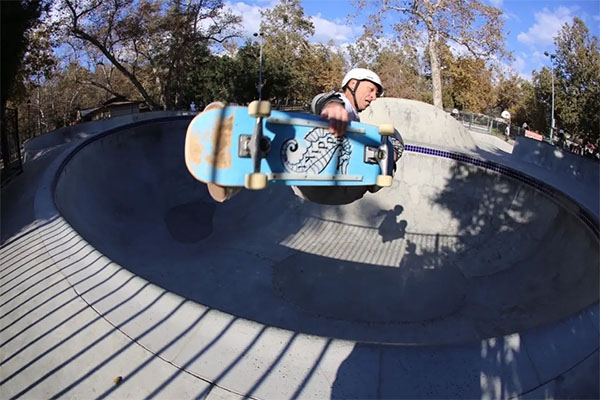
(256, 181)
(259, 109)
(386, 130)
(384, 180)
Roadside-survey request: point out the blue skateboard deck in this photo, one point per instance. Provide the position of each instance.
(289, 148)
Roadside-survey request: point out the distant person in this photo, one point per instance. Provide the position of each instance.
(562, 139)
(360, 87)
(193, 106)
(507, 133)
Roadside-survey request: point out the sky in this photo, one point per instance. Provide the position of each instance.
(529, 25)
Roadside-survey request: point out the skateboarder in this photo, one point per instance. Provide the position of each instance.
(360, 87)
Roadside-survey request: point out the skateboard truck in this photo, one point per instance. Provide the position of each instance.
(382, 155)
(256, 145)
(245, 143)
(374, 154)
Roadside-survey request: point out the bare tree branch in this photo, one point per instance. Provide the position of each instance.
(470, 23)
(101, 86)
(148, 43)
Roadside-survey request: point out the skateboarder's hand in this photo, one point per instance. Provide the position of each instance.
(338, 118)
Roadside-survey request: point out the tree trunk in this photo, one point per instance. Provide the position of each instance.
(436, 72)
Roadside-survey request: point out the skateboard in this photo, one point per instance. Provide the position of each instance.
(252, 146)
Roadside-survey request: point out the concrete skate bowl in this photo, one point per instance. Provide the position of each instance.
(453, 252)
(419, 122)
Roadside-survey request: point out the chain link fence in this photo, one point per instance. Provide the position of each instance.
(496, 126)
(486, 124)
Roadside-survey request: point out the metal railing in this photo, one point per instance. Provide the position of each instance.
(487, 124)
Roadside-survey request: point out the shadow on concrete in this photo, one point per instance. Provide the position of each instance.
(160, 224)
(390, 228)
(512, 247)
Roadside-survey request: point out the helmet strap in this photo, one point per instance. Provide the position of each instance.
(353, 92)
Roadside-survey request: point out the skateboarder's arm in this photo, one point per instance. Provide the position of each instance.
(331, 106)
(321, 100)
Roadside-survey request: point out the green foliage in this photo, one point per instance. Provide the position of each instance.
(532, 105)
(541, 106)
(18, 17)
(469, 23)
(235, 78)
(397, 64)
(151, 43)
(508, 91)
(285, 31)
(156, 54)
(467, 82)
(577, 80)
(332, 68)
(576, 71)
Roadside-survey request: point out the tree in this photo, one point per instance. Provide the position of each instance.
(398, 67)
(235, 78)
(577, 80)
(525, 108)
(149, 42)
(206, 80)
(365, 50)
(18, 17)
(471, 24)
(54, 102)
(467, 81)
(470, 85)
(509, 90)
(331, 66)
(38, 66)
(38, 62)
(536, 104)
(286, 31)
(397, 64)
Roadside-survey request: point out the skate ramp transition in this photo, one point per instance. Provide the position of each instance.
(419, 122)
(37, 146)
(456, 251)
(557, 161)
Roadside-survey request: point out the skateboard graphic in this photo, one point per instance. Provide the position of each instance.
(239, 146)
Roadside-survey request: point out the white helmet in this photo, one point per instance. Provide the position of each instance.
(362, 74)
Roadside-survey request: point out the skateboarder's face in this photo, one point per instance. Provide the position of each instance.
(365, 94)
